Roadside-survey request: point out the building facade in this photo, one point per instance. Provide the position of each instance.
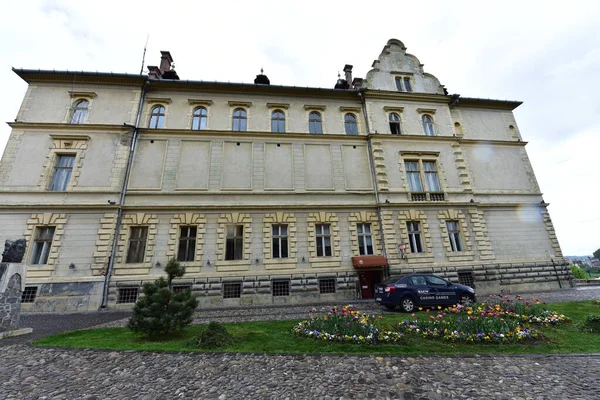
(267, 194)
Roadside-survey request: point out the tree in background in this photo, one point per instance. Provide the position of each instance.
(160, 310)
(578, 272)
(597, 254)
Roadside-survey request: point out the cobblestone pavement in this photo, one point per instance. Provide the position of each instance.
(39, 373)
(27, 372)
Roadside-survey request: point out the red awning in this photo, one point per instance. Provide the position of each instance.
(369, 261)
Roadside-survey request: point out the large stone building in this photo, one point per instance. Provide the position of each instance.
(267, 193)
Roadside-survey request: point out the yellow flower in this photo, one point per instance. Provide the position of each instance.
(324, 318)
(420, 308)
(469, 312)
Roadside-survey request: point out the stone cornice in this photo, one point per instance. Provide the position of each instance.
(68, 127)
(387, 136)
(248, 135)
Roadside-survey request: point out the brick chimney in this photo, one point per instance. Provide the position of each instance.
(165, 62)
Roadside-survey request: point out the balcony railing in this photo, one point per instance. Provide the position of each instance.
(427, 196)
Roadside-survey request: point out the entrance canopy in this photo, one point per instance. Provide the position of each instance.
(362, 262)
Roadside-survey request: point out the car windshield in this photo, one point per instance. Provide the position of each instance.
(392, 279)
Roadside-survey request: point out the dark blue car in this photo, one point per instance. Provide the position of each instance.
(420, 290)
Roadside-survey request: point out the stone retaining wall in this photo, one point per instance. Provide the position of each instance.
(11, 288)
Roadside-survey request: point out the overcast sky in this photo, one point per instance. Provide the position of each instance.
(546, 56)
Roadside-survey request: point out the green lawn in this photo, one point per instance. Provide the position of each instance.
(276, 337)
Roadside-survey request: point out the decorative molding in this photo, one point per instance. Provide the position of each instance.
(133, 220)
(199, 102)
(426, 110)
(323, 217)
(356, 218)
(380, 168)
(278, 105)
(283, 218)
(43, 220)
(350, 109)
(462, 167)
(480, 231)
(104, 241)
(455, 215)
(234, 219)
(314, 107)
(83, 95)
(158, 100)
(393, 109)
(551, 232)
(246, 104)
(419, 216)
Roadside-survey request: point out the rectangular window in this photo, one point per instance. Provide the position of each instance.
(365, 240)
(281, 288)
(29, 294)
(327, 285)
(422, 176)
(127, 295)
(137, 244)
(232, 290)
(399, 84)
(323, 234)
(42, 244)
(234, 248)
(414, 236)
(407, 86)
(62, 172)
(187, 243)
(280, 241)
(413, 175)
(454, 235)
(403, 84)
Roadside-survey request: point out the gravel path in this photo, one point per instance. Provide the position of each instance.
(27, 372)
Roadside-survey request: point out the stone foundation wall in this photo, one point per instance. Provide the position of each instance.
(64, 297)
(11, 289)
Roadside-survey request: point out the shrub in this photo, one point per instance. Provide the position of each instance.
(213, 336)
(578, 273)
(161, 311)
(345, 324)
(591, 324)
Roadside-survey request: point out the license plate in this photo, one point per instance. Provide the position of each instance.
(378, 299)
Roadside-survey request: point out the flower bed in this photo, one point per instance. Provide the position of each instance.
(470, 329)
(347, 325)
(529, 311)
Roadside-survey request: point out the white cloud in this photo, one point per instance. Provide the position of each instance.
(546, 56)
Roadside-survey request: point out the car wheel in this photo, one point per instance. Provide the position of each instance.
(465, 299)
(390, 306)
(407, 304)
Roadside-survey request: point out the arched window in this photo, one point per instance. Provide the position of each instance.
(428, 125)
(239, 120)
(395, 124)
(350, 124)
(278, 121)
(199, 118)
(80, 110)
(157, 117)
(315, 122)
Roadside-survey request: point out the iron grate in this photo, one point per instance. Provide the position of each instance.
(232, 290)
(29, 294)
(327, 285)
(281, 288)
(127, 295)
(466, 278)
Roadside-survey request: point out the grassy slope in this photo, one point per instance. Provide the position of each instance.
(276, 337)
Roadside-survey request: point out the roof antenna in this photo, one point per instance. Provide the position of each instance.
(144, 55)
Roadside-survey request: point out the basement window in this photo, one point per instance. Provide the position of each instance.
(327, 285)
(181, 288)
(281, 288)
(466, 278)
(232, 290)
(127, 295)
(29, 294)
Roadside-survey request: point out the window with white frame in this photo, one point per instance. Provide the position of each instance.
(42, 243)
(428, 126)
(315, 122)
(414, 236)
(137, 244)
(239, 120)
(422, 176)
(80, 111)
(279, 241)
(403, 84)
(454, 235)
(365, 239)
(234, 246)
(323, 237)
(187, 243)
(157, 117)
(62, 172)
(199, 118)
(350, 124)
(278, 121)
(395, 123)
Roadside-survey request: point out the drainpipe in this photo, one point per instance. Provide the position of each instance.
(113, 250)
(373, 173)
